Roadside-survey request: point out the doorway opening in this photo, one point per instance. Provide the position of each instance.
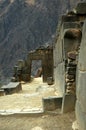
(36, 68)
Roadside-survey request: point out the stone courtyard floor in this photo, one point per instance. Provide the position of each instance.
(24, 110)
(29, 100)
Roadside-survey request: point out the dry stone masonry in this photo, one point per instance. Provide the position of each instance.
(23, 69)
(70, 63)
(66, 49)
(71, 72)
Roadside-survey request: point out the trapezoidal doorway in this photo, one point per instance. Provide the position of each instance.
(45, 55)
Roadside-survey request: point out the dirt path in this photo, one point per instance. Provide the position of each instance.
(44, 122)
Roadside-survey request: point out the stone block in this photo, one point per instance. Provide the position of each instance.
(81, 80)
(80, 116)
(71, 72)
(72, 55)
(13, 79)
(50, 80)
(60, 78)
(15, 69)
(71, 68)
(12, 87)
(21, 64)
(67, 25)
(70, 77)
(81, 89)
(70, 90)
(68, 103)
(82, 58)
(81, 8)
(71, 64)
(51, 103)
(2, 93)
(69, 84)
(66, 18)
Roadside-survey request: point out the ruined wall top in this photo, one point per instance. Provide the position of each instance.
(77, 15)
(81, 8)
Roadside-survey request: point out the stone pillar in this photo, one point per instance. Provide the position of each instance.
(44, 67)
(81, 84)
(59, 67)
(27, 71)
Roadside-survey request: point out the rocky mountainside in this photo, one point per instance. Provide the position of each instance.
(25, 25)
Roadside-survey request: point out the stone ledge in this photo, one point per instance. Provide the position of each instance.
(19, 111)
(51, 103)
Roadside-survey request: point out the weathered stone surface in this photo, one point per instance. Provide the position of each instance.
(82, 58)
(12, 87)
(69, 84)
(72, 64)
(67, 25)
(81, 89)
(2, 93)
(67, 45)
(68, 80)
(81, 8)
(68, 103)
(50, 80)
(72, 55)
(21, 64)
(70, 90)
(70, 77)
(71, 68)
(81, 117)
(70, 44)
(81, 83)
(69, 18)
(71, 72)
(60, 78)
(50, 104)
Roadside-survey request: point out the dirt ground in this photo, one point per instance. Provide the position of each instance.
(42, 122)
(28, 99)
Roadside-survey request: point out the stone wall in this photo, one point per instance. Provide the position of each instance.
(63, 46)
(59, 66)
(68, 41)
(81, 84)
(22, 72)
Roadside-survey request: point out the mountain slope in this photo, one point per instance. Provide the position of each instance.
(25, 25)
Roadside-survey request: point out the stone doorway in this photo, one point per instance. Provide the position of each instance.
(45, 55)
